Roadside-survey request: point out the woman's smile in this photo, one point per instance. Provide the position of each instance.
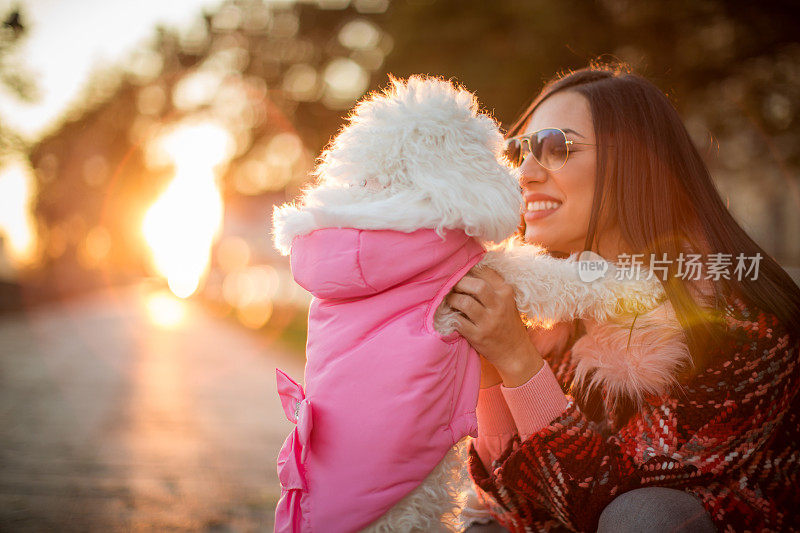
(538, 206)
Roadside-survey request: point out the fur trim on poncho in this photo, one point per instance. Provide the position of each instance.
(632, 357)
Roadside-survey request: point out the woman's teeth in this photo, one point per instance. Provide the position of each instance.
(542, 206)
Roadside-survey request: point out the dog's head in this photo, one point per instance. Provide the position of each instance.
(425, 138)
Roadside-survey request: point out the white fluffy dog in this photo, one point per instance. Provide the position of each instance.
(421, 155)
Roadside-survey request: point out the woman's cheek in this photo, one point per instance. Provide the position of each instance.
(582, 193)
(575, 226)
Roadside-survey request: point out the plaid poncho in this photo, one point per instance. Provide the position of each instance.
(729, 436)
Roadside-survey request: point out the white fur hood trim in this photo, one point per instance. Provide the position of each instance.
(402, 212)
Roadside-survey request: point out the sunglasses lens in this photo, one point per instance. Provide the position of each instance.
(549, 147)
(513, 152)
(516, 151)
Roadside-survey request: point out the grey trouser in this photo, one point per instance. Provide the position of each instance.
(645, 510)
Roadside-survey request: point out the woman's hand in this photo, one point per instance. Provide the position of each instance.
(492, 325)
(489, 374)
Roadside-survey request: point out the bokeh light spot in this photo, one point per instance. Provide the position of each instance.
(165, 310)
(359, 34)
(300, 81)
(345, 81)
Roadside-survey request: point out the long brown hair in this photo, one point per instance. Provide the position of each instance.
(656, 185)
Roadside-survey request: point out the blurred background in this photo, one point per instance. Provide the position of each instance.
(143, 310)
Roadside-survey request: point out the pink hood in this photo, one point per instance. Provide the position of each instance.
(389, 395)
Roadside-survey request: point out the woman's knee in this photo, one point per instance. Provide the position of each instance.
(655, 509)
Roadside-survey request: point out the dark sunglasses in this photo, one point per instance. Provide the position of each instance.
(549, 146)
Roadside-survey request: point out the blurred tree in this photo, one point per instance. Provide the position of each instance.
(13, 77)
(19, 83)
(276, 76)
(280, 76)
(731, 67)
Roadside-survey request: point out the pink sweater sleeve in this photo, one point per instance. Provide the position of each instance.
(503, 411)
(495, 424)
(536, 403)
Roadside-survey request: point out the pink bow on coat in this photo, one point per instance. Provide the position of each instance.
(291, 471)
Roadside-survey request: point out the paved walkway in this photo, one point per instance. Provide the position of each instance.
(111, 423)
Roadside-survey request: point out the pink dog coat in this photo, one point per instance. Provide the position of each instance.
(385, 395)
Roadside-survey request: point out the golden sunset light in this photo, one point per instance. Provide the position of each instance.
(165, 310)
(185, 221)
(207, 304)
(17, 191)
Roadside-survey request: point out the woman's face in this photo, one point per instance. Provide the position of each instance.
(558, 202)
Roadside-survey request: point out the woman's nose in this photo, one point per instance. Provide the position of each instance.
(531, 172)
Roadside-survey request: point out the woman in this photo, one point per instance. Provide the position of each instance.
(635, 443)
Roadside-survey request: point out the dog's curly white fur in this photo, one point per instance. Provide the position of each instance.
(421, 155)
(445, 501)
(549, 290)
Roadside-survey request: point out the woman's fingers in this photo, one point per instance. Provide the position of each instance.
(492, 325)
(490, 276)
(469, 306)
(478, 288)
(466, 328)
(494, 284)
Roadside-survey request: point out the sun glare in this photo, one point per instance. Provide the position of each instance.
(17, 190)
(165, 310)
(185, 221)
